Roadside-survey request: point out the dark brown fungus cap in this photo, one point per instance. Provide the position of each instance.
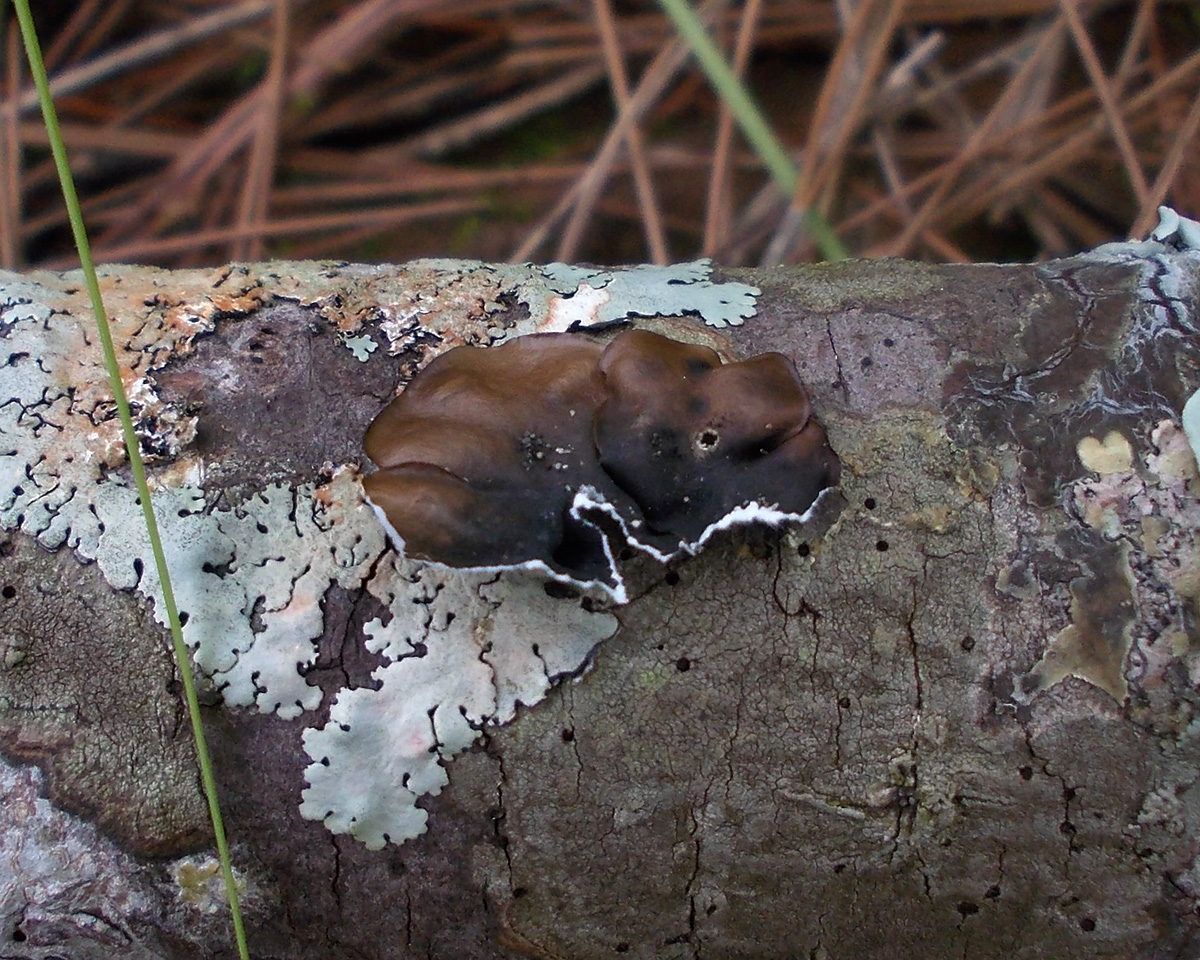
(539, 449)
(690, 439)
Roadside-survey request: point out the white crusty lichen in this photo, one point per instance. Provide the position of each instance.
(471, 647)
(592, 297)
(461, 650)
(453, 302)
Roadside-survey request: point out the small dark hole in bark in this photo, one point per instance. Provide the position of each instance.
(1087, 924)
(804, 550)
(683, 664)
(1026, 773)
(671, 577)
(18, 935)
(622, 948)
(838, 868)
(844, 703)
(869, 503)
(519, 892)
(559, 591)
(968, 644)
(568, 735)
(993, 893)
(881, 545)
(967, 908)
(8, 592)
(866, 362)
(889, 342)
(1067, 828)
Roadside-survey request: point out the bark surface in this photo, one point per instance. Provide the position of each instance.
(954, 715)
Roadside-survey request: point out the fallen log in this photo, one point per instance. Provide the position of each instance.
(951, 713)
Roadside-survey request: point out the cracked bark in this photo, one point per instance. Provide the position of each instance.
(834, 743)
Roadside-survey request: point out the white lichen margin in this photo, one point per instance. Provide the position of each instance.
(461, 649)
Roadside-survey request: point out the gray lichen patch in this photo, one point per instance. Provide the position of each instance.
(1095, 645)
(428, 306)
(1135, 613)
(464, 650)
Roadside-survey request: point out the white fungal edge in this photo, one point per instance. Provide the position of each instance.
(752, 512)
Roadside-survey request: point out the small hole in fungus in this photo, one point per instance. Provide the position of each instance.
(1087, 924)
(8, 592)
(967, 908)
(683, 664)
(568, 735)
(1026, 773)
(881, 545)
(869, 503)
(671, 577)
(968, 644)
(804, 550)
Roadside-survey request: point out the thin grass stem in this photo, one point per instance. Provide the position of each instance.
(182, 659)
(748, 116)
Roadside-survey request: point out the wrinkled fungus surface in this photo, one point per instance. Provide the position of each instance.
(545, 449)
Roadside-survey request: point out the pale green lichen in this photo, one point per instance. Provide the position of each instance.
(362, 347)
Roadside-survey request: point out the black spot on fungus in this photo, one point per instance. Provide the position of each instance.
(553, 447)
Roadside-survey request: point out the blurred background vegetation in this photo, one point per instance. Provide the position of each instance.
(203, 131)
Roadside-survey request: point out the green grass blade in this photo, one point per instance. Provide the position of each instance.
(748, 116)
(182, 659)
